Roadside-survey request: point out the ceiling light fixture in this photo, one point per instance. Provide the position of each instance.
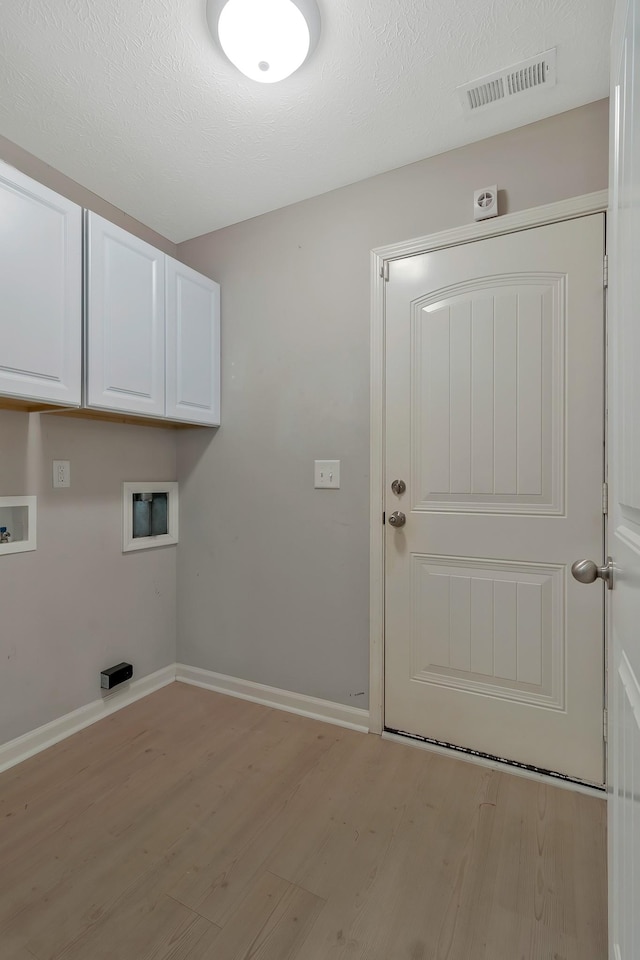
(267, 40)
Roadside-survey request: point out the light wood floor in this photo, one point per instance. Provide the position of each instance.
(192, 826)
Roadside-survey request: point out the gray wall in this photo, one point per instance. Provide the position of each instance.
(273, 576)
(78, 604)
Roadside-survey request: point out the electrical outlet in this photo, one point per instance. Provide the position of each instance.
(61, 473)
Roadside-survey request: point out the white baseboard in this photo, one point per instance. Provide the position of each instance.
(15, 751)
(497, 765)
(354, 718)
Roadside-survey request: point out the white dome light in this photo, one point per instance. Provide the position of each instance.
(267, 40)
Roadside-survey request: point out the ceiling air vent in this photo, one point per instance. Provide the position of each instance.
(532, 74)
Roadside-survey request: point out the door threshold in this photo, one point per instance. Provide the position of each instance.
(527, 770)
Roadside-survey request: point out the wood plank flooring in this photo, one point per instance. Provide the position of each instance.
(193, 826)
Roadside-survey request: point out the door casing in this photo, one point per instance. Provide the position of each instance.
(380, 257)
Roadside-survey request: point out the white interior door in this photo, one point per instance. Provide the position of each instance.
(624, 467)
(494, 421)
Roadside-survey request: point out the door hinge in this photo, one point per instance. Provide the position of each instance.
(605, 271)
(605, 498)
(605, 725)
(384, 270)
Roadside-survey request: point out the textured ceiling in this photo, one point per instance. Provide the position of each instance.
(131, 98)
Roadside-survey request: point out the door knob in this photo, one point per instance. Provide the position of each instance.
(586, 571)
(398, 487)
(397, 519)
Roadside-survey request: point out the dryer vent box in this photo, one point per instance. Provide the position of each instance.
(485, 203)
(114, 675)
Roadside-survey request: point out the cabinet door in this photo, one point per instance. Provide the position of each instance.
(125, 321)
(193, 345)
(40, 291)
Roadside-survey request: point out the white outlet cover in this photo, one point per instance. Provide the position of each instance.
(326, 474)
(61, 473)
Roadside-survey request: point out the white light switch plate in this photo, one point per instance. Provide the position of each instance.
(327, 474)
(61, 473)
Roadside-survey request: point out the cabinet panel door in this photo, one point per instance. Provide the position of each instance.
(125, 321)
(40, 291)
(193, 345)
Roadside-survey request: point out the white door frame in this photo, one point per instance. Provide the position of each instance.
(380, 257)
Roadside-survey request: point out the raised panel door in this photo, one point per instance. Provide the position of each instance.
(193, 345)
(125, 324)
(624, 486)
(41, 292)
(494, 418)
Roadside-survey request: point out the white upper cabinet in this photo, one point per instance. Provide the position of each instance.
(193, 345)
(41, 292)
(125, 326)
(151, 324)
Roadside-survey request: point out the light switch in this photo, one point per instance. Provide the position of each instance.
(61, 473)
(327, 474)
